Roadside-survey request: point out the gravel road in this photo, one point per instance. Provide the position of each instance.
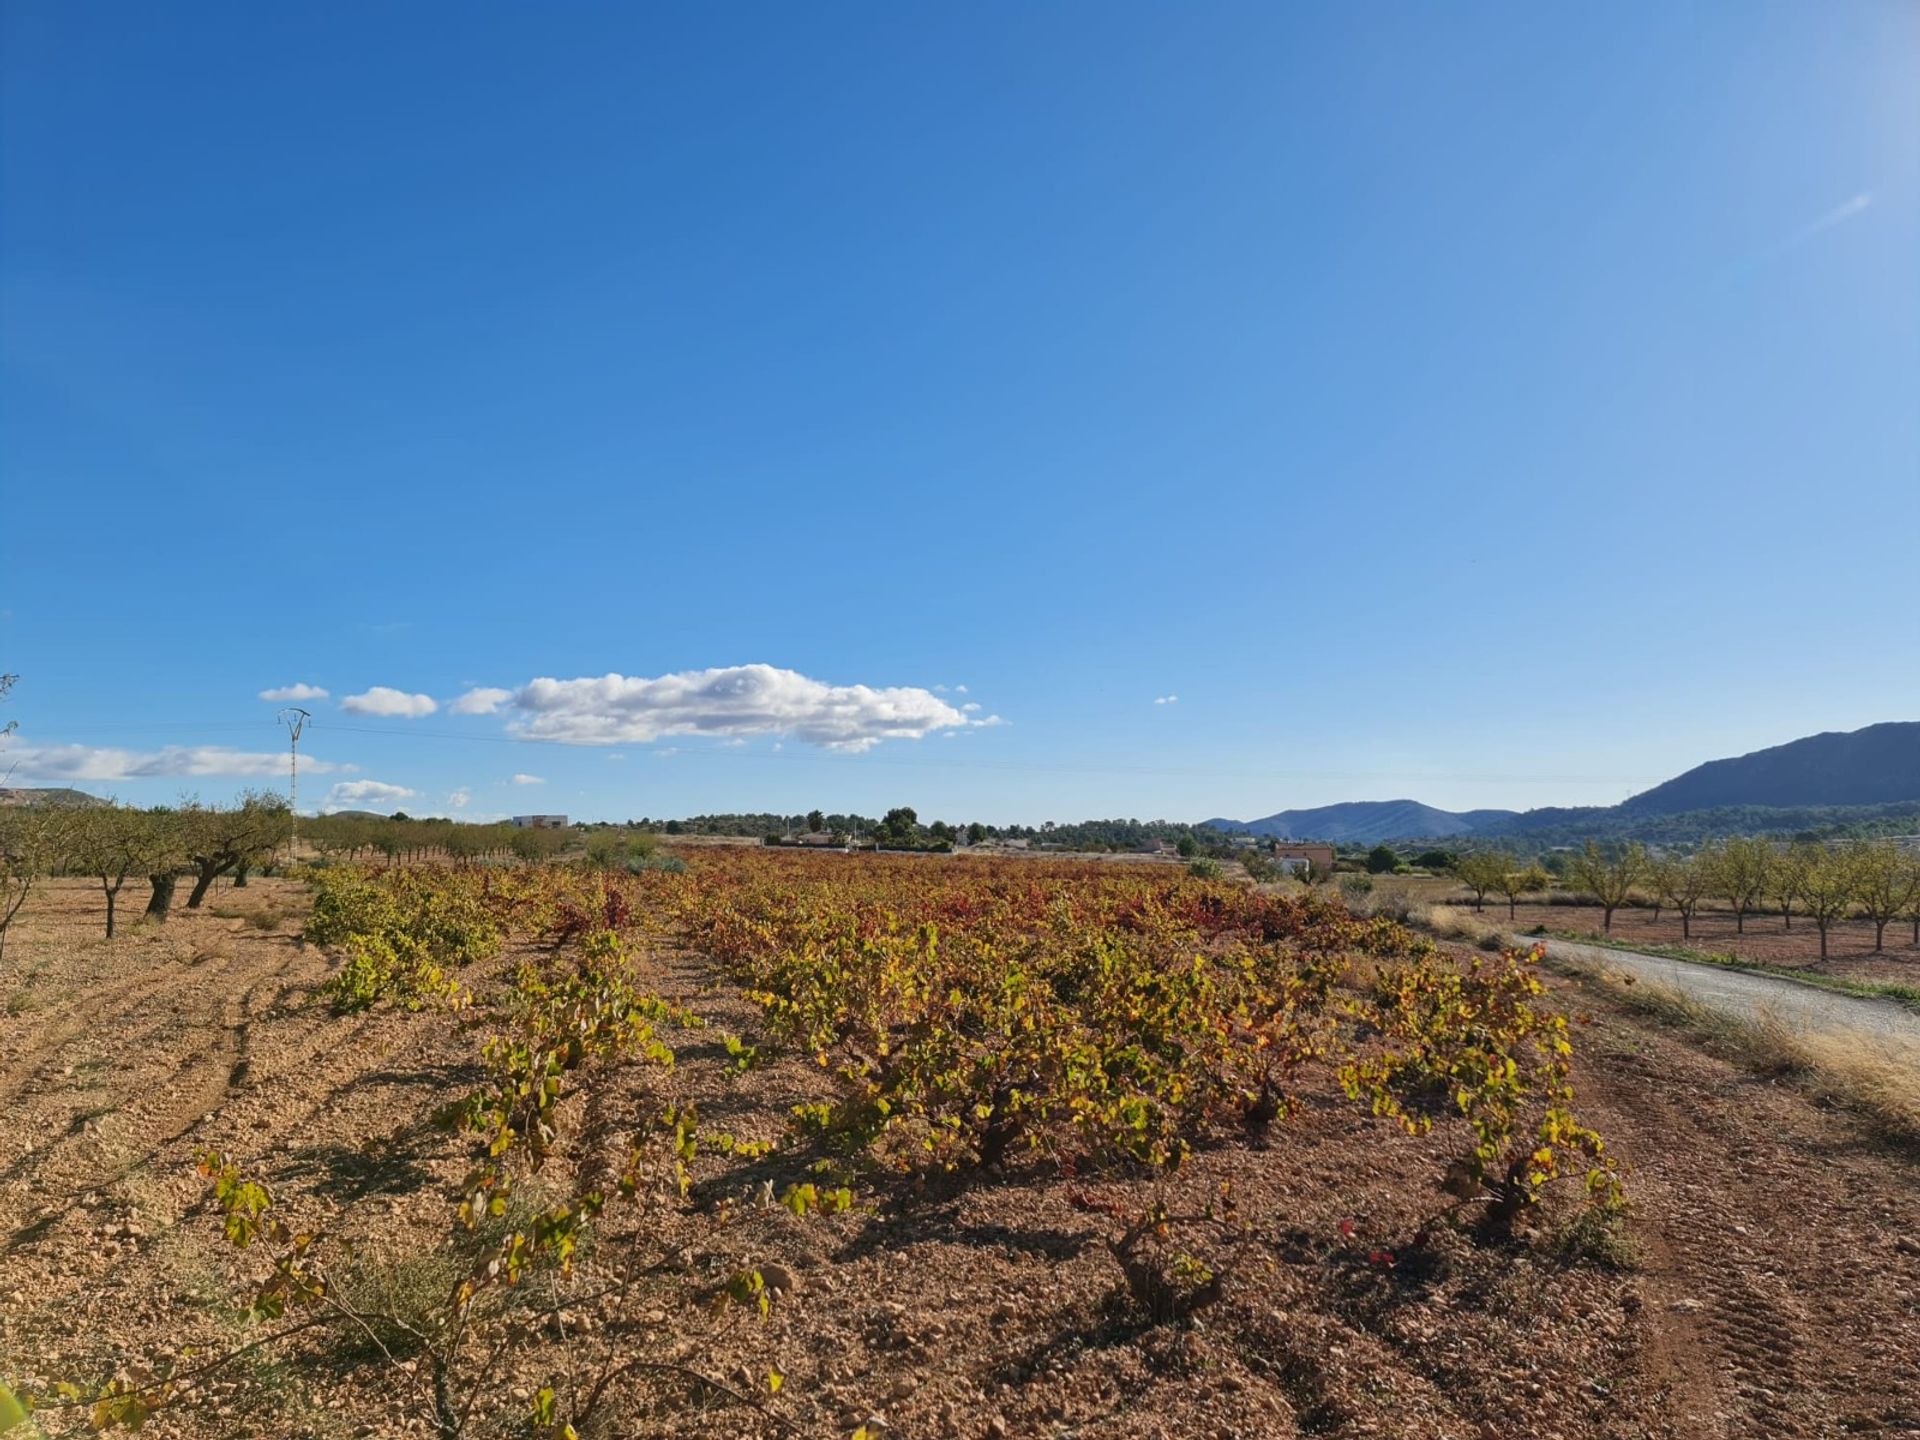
(1748, 996)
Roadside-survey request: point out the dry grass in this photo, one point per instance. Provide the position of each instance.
(1876, 1079)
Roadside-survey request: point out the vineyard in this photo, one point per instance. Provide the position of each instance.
(773, 1143)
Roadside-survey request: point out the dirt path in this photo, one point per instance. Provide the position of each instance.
(1780, 1244)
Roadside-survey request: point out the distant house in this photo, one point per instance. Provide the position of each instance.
(814, 837)
(1157, 846)
(1020, 844)
(538, 822)
(1293, 857)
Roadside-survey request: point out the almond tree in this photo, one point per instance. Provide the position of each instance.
(1610, 880)
(31, 838)
(1828, 888)
(221, 840)
(1481, 871)
(1741, 869)
(1513, 883)
(1684, 884)
(1783, 882)
(112, 843)
(1886, 883)
(1912, 912)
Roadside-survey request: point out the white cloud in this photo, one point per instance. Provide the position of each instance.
(1166, 699)
(481, 700)
(734, 701)
(458, 799)
(297, 691)
(528, 780)
(385, 700)
(89, 762)
(364, 795)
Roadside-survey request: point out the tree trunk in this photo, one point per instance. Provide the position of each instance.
(162, 897)
(1740, 920)
(112, 895)
(1510, 904)
(1607, 918)
(1686, 924)
(1879, 936)
(1823, 938)
(208, 869)
(240, 875)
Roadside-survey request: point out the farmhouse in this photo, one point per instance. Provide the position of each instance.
(1298, 857)
(539, 822)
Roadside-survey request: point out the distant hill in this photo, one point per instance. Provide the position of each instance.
(1358, 822)
(1835, 780)
(1879, 765)
(59, 796)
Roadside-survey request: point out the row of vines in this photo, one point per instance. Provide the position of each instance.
(971, 1017)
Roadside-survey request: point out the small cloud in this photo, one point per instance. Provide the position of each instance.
(972, 707)
(364, 795)
(459, 798)
(616, 755)
(481, 700)
(385, 700)
(738, 701)
(1840, 214)
(1166, 699)
(527, 780)
(295, 692)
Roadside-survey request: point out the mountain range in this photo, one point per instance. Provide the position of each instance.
(1875, 766)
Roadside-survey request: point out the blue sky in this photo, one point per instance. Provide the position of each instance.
(1489, 404)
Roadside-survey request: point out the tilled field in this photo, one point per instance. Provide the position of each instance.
(1774, 1290)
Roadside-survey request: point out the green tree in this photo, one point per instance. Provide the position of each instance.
(1516, 881)
(1885, 884)
(1829, 884)
(1912, 911)
(112, 843)
(1187, 847)
(1482, 871)
(816, 821)
(32, 838)
(1381, 860)
(976, 832)
(1682, 883)
(1741, 868)
(1784, 878)
(1609, 879)
(222, 838)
